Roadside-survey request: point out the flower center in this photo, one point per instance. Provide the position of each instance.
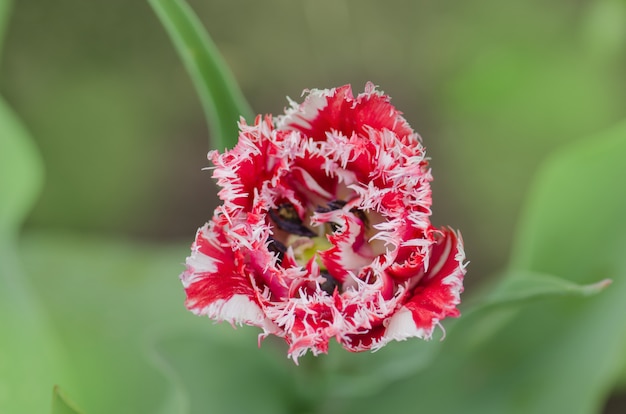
(304, 238)
(306, 248)
(287, 218)
(304, 242)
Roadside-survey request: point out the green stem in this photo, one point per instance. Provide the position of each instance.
(311, 383)
(220, 95)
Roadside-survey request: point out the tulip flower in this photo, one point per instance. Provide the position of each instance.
(324, 229)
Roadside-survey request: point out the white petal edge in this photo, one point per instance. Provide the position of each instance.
(402, 326)
(239, 309)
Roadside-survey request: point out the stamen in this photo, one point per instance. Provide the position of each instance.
(277, 248)
(330, 284)
(332, 206)
(336, 204)
(361, 215)
(286, 218)
(333, 226)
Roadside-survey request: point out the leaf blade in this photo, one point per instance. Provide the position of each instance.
(21, 172)
(61, 404)
(31, 356)
(519, 287)
(219, 93)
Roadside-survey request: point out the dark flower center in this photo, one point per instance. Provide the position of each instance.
(286, 218)
(305, 242)
(330, 284)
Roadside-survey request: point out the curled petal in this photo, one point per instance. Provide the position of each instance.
(436, 295)
(350, 251)
(215, 286)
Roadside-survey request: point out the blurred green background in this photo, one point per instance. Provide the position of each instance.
(493, 88)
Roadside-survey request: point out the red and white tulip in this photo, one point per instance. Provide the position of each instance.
(324, 231)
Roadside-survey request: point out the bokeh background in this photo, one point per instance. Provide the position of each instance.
(492, 86)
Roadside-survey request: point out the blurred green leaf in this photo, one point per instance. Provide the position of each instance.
(61, 404)
(21, 172)
(516, 289)
(225, 376)
(604, 28)
(205, 367)
(221, 97)
(354, 375)
(513, 102)
(552, 356)
(526, 286)
(30, 358)
(573, 222)
(108, 299)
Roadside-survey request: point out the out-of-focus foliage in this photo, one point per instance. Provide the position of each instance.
(493, 88)
(223, 102)
(60, 403)
(30, 356)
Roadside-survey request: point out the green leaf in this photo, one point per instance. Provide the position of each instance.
(519, 287)
(111, 301)
(574, 219)
(516, 289)
(31, 359)
(21, 172)
(106, 297)
(604, 29)
(61, 404)
(221, 97)
(354, 375)
(213, 373)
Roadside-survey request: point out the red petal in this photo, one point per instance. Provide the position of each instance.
(364, 342)
(347, 115)
(438, 292)
(223, 281)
